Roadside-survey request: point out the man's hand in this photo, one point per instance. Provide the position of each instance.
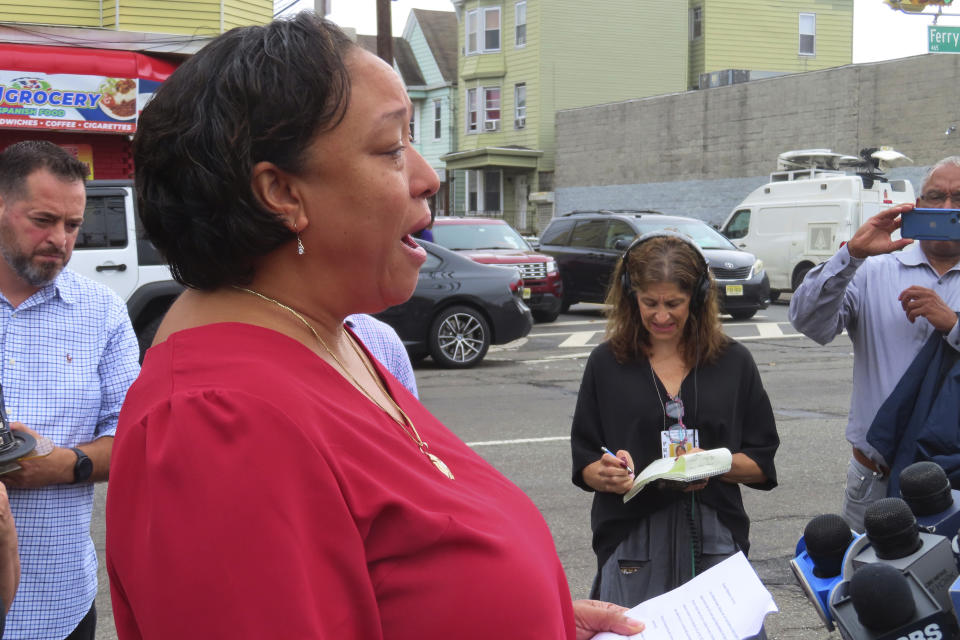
(41, 471)
(873, 236)
(920, 302)
(608, 474)
(594, 616)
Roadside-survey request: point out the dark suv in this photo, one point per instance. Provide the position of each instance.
(587, 245)
(493, 241)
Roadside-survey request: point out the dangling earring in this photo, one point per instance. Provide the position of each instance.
(299, 242)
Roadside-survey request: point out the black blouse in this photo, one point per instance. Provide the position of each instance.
(620, 407)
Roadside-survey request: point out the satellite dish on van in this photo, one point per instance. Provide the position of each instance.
(878, 160)
(887, 157)
(813, 159)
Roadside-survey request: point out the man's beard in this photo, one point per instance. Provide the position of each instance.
(37, 275)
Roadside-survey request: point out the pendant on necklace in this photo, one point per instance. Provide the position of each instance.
(440, 465)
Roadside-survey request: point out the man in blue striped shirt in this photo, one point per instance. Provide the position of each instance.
(67, 356)
(890, 302)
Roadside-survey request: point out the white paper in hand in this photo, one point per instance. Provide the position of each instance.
(726, 602)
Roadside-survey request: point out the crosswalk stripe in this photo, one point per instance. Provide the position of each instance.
(577, 339)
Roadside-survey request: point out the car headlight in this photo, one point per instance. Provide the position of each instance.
(551, 267)
(758, 268)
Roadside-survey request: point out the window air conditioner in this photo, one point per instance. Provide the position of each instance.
(491, 125)
(520, 123)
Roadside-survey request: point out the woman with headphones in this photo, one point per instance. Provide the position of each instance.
(667, 381)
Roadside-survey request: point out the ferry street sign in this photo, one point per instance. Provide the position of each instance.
(943, 39)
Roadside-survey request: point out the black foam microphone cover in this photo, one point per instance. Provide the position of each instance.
(925, 487)
(881, 597)
(891, 528)
(827, 538)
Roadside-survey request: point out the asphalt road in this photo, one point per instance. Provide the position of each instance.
(516, 407)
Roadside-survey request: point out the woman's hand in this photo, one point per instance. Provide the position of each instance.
(687, 487)
(594, 616)
(609, 474)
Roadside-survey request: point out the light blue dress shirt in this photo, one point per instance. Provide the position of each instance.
(68, 356)
(385, 345)
(860, 295)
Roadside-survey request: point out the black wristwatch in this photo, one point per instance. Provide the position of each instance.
(83, 467)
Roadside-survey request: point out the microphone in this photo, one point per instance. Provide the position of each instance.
(880, 602)
(926, 489)
(895, 539)
(819, 560)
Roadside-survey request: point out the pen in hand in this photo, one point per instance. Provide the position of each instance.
(623, 462)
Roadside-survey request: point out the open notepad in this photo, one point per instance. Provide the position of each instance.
(687, 468)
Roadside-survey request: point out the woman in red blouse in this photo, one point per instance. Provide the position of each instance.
(270, 479)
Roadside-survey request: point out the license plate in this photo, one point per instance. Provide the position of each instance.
(734, 289)
(526, 293)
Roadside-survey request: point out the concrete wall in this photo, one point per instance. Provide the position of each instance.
(701, 152)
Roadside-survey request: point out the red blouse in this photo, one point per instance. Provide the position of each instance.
(255, 493)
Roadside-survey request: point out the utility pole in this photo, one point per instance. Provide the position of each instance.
(384, 32)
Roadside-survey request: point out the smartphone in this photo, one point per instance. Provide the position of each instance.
(930, 224)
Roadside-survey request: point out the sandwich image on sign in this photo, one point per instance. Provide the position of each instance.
(687, 468)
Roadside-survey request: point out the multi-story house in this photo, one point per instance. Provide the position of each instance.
(730, 43)
(432, 37)
(523, 60)
(426, 59)
(86, 92)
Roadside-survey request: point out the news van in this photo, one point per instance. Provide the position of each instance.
(813, 203)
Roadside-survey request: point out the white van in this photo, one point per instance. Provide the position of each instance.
(810, 208)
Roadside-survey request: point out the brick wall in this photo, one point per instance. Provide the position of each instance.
(701, 152)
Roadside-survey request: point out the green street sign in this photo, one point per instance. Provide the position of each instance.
(943, 39)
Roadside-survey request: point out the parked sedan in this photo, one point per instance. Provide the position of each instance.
(460, 308)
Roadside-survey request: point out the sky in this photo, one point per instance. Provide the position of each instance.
(879, 32)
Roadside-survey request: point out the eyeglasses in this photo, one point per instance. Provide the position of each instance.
(674, 409)
(939, 197)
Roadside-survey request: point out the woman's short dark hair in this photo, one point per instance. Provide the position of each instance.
(254, 94)
(654, 261)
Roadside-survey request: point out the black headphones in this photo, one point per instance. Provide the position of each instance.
(700, 288)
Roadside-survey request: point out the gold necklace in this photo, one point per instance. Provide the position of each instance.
(407, 422)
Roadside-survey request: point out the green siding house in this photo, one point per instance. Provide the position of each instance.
(523, 60)
(185, 17)
(432, 37)
(732, 41)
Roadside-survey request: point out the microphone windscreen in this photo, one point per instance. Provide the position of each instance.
(881, 597)
(827, 538)
(891, 528)
(925, 487)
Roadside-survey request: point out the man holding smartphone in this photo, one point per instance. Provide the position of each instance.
(67, 356)
(890, 302)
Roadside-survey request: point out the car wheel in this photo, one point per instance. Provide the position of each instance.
(459, 338)
(799, 274)
(145, 337)
(546, 316)
(744, 314)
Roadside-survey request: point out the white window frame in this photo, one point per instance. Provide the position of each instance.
(520, 105)
(472, 111)
(476, 181)
(800, 51)
(437, 119)
(696, 21)
(415, 123)
(491, 104)
(472, 29)
(520, 20)
(475, 27)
